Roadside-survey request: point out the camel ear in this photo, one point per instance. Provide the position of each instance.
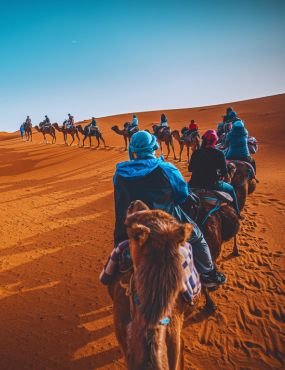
(139, 233)
(136, 206)
(183, 233)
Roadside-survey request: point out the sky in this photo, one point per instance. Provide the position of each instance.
(102, 57)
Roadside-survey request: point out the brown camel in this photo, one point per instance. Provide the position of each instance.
(243, 180)
(217, 228)
(28, 131)
(87, 132)
(191, 141)
(73, 131)
(125, 132)
(154, 289)
(47, 130)
(164, 135)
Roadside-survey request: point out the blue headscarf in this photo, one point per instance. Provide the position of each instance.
(143, 144)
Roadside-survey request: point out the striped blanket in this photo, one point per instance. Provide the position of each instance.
(191, 280)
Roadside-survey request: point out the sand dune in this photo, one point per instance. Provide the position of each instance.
(57, 220)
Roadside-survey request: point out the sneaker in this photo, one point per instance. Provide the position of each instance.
(213, 279)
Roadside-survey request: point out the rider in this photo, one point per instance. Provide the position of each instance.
(46, 122)
(160, 185)
(193, 127)
(236, 141)
(70, 120)
(208, 167)
(134, 125)
(28, 121)
(93, 124)
(163, 123)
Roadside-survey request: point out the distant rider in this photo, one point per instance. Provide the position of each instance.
(134, 125)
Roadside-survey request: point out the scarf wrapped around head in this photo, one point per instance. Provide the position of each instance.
(143, 144)
(210, 139)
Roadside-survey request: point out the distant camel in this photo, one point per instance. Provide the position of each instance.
(148, 305)
(164, 135)
(46, 130)
(125, 132)
(87, 132)
(243, 180)
(191, 141)
(73, 131)
(28, 131)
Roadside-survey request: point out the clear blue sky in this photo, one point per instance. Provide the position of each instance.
(92, 57)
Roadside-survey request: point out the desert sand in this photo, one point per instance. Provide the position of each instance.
(56, 233)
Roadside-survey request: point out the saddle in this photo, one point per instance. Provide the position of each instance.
(212, 196)
(215, 198)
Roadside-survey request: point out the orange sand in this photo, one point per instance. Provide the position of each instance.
(57, 220)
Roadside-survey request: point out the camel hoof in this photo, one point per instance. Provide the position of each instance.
(236, 253)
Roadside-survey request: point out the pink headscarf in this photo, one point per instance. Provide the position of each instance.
(210, 139)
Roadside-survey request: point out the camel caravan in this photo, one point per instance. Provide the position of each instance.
(168, 233)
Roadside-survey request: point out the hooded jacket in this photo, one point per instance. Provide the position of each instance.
(157, 183)
(236, 140)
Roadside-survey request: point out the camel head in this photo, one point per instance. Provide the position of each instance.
(80, 129)
(37, 128)
(231, 169)
(176, 134)
(155, 237)
(56, 126)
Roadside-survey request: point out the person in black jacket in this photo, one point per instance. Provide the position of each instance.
(209, 168)
(160, 185)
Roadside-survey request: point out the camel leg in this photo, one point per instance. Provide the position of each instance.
(78, 138)
(90, 141)
(168, 150)
(235, 249)
(72, 135)
(45, 139)
(210, 305)
(188, 154)
(172, 146)
(101, 138)
(84, 140)
(181, 150)
(98, 141)
(126, 143)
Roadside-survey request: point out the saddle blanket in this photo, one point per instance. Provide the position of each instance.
(212, 196)
(191, 279)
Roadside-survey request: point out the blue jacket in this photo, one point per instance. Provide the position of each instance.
(236, 141)
(157, 183)
(135, 122)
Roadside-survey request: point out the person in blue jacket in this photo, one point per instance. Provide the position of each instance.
(134, 125)
(236, 141)
(160, 185)
(22, 131)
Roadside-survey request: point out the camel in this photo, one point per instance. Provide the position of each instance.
(243, 180)
(73, 131)
(147, 337)
(28, 131)
(89, 133)
(191, 142)
(125, 132)
(217, 228)
(164, 136)
(47, 130)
